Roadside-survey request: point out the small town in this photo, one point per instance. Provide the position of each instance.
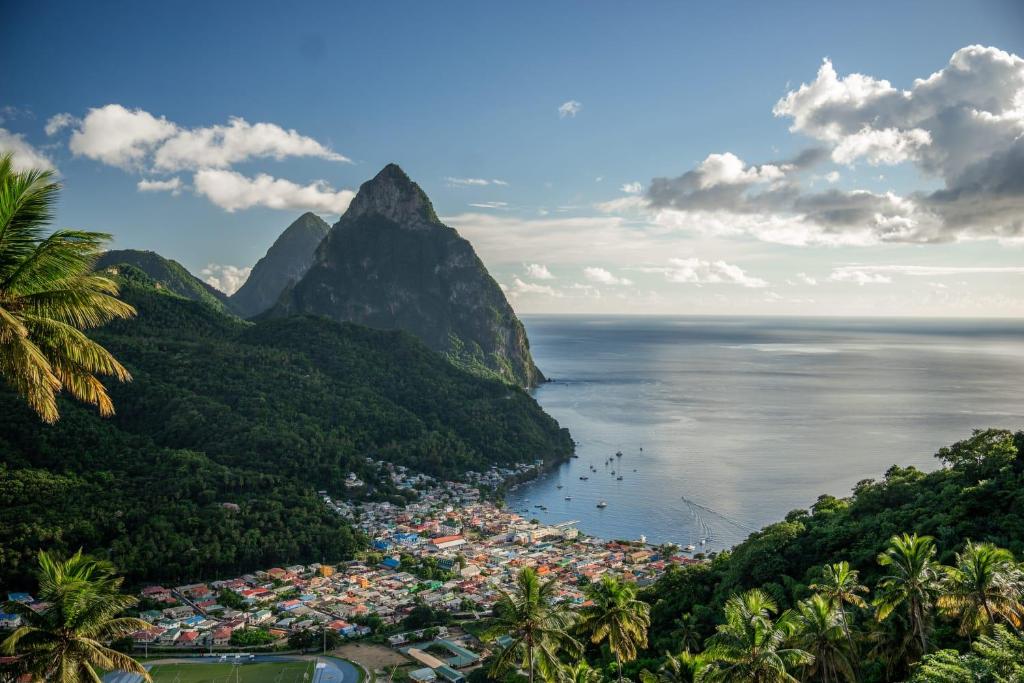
(451, 551)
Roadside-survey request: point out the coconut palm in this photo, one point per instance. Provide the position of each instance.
(680, 668)
(750, 646)
(819, 630)
(580, 672)
(912, 583)
(616, 615)
(66, 640)
(687, 632)
(984, 586)
(840, 586)
(49, 294)
(537, 625)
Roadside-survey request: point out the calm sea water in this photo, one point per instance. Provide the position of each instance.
(726, 424)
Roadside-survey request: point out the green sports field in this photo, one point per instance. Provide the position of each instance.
(262, 672)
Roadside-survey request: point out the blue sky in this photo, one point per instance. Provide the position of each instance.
(473, 90)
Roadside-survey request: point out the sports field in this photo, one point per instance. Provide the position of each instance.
(259, 672)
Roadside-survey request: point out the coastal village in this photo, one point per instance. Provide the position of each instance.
(451, 550)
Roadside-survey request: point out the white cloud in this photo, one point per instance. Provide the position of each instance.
(520, 288)
(224, 277)
(118, 136)
(802, 279)
(233, 191)
(929, 271)
(832, 177)
(132, 139)
(25, 157)
(889, 146)
(858, 276)
(490, 205)
(963, 125)
(632, 188)
(478, 182)
(59, 122)
(569, 108)
(604, 277)
(700, 272)
(172, 185)
(224, 146)
(538, 272)
(728, 169)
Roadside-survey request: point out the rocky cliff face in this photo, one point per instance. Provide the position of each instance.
(285, 263)
(389, 263)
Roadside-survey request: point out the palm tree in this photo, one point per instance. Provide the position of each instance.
(912, 583)
(580, 672)
(65, 641)
(48, 295)
(537, 625)
(985, 585)
(819, 630)
(680, 668)
(687, 632)
(749, 646)
(840, 586)
(616, 615)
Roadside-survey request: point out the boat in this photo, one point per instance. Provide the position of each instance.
(602, 504)
(618, 478)
(618, 454)
(613, 471)
(568, 497)
(560, 486)
(584, 478)
(690, 548)
(538, 505)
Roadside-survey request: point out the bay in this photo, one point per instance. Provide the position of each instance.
(726, 424)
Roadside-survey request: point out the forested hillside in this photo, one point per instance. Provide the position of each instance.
(978, 495)
(259, 415)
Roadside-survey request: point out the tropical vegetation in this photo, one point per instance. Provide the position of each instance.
(49, 295)
(68, 639)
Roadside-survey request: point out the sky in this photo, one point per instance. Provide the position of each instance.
(787, 158)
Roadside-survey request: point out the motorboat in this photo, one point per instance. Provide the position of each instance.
(602, 504)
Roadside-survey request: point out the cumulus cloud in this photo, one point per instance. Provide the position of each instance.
(538, 272)
(570, 109)
(232, 191)
(226, 278)
(59, 122)
(700, 272)
(963, 125)
(118, 136)
(134, 138)
(519, 288)
(604, 277)
(632, 188)
(24, 157)
(172, 185)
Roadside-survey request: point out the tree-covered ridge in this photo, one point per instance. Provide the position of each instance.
(259, 415)
(939, 527)
(167, 274)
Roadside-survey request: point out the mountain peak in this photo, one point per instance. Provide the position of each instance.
(393, 194)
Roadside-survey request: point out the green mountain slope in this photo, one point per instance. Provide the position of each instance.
(167, 274)
(978, 495)
(261, 415)
(285, 263)
(389, 263)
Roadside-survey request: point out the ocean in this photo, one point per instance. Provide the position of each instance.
(726, 424)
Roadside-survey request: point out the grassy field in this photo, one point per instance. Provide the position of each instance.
(263, 672)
